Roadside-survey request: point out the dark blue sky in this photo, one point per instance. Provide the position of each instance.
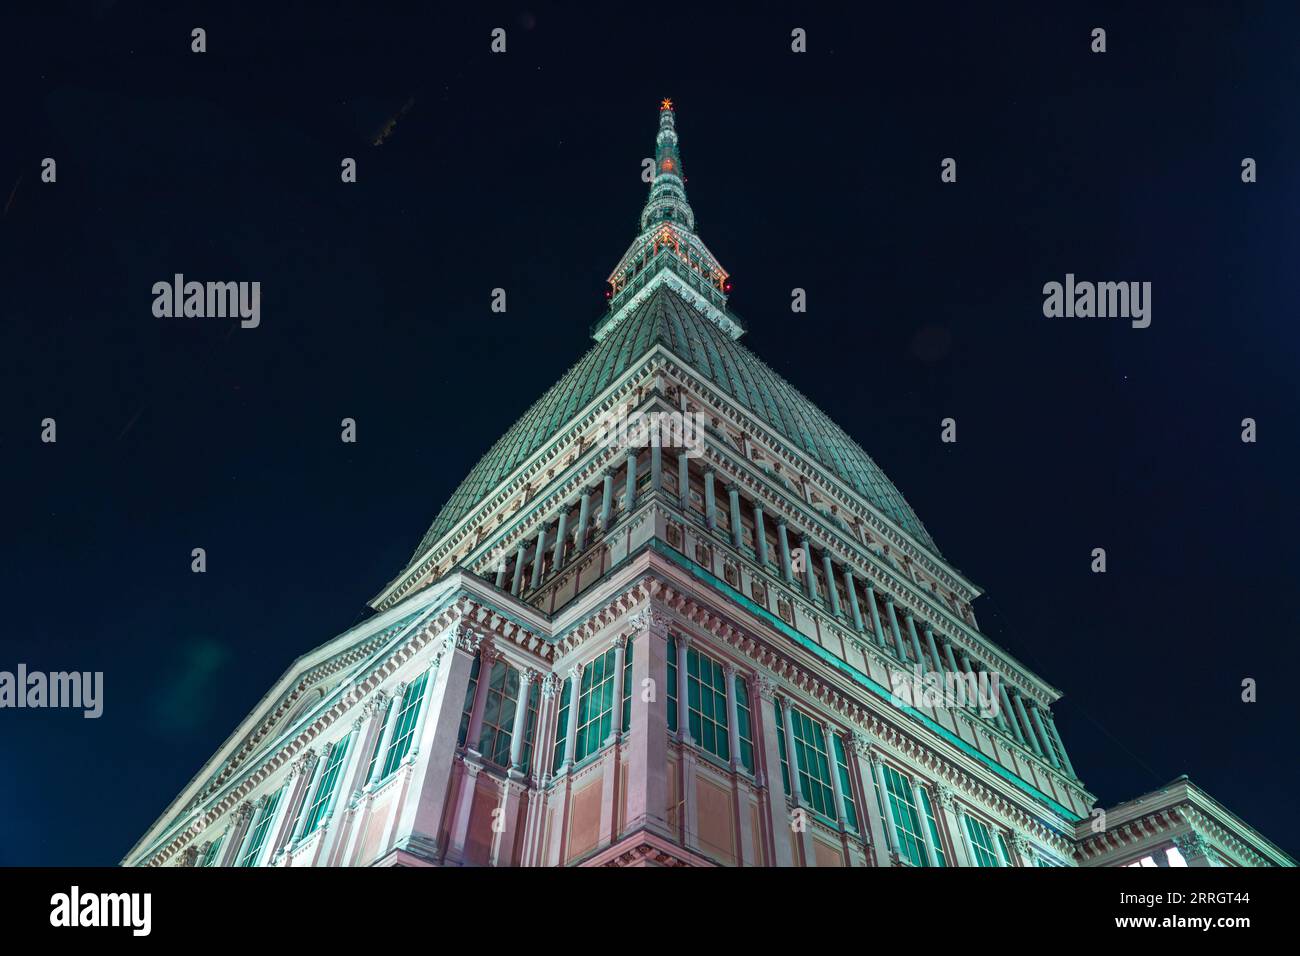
(522, 171)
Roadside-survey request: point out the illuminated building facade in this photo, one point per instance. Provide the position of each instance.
(691, 647)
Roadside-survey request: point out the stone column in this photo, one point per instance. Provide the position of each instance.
(782, 851)
(584, 516)
(891, 822)
(557, 558)
(254, 818)
(647, 784)
(1024, 722)
(1056, 735)
(684, 481)
(417, 819)
(501, 571)
(831, 591)
(478, 706)
(1042, 736)
(951, 812)
(571, 731)
(606, 501)
(519, 570)
(952, 661)
(997, 849)
(539, 555)
(783, 539)
(893, 628)
(837, 790)
(926, 838)
(1011, 717)
(519, 729)
(616, 721)
(881, 838)
(710, 502)
(300, 777)
(683, 702)
(656, 465)
(791, 755)
(733, 715)
(915, 641)
(629, 494)
(875, 615)
(853, 599)
(809, 575)
(241, 829)
(933, 648)
(737, 531)
(760, 536)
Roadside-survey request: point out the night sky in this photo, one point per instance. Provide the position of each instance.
(522, 171)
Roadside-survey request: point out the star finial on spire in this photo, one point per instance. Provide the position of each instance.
(666, 104)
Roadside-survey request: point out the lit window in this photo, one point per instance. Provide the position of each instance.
(404, 728)
(595, 705)
(499, 713)
(846, 789)
(744, 725)
(329, 778)
(934, 828)
(562, 724)
(814, 767)
(981, 841)
(706, 703)
(907, 822)
(259, 830)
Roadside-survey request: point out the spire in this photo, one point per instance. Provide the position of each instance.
(667, 252)
(667, 202)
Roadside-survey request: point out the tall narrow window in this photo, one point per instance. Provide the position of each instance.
(934, 828)
(814, 767)
(906, 818)
(562, 724)
(780, 746)
(672, 684)
(595, 705)
(499, 713)
(329, 779)
(846, 787)
(981, 841)
(259, 830)
(627, 688)
(470, 690)
(706, 703)
(744, 725)
(404, 728)
(530, 731)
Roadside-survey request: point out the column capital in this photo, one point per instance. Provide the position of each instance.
(766, 689)
(374, 704)
(861, 744)
(244, 811)
(729, 670)
(575, 672)
(889, 598)
(305, 763)
(620, 642)
(948, 799)
(551, 685)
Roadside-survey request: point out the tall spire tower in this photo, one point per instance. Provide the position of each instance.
(667, 251)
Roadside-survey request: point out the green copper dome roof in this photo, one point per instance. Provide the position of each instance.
(665, 318)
